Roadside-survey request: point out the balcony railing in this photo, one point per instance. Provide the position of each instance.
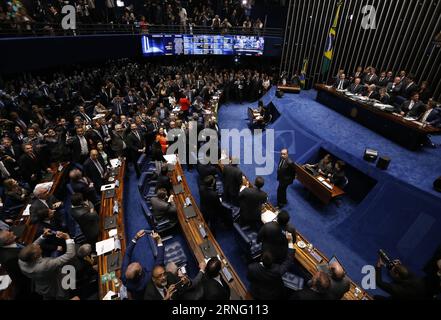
(35, 29)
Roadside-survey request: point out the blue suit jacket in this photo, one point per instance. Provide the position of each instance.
(434, 118)
(137, 288)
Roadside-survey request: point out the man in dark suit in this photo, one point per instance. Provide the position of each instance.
(266, 277)
(340, 284)
(409, 88)
(232, 179)
(342, 83)
(80, 146)
(338, 176)
(394, 88)
(87, 218)
(136, 146)
(85, 186)
(316, 289)
(162, 286)
(119, 145)
(13, 151)
(274, 240)
(356, 87)
(9, 250)
(251, 201)
(210, 203)
(404, 285)
(95, 169)
(413, 108)
(371, 92)
(215, 287)
(286, 174)
(162, 208)
(371, 77)
(383, 80)
(54, 208)
(84, 116)
(163, 181)
(30, 165)
(432, 116)
(206, 170)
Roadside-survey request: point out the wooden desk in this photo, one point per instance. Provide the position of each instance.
(409, 134)
(190, 228)
(309, 262)
(323, 193)
(30, 231)
(288, 88)
(107, 211)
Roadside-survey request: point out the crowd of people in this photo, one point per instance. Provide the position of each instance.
(46, 16)
(411, 99)
(86, 117)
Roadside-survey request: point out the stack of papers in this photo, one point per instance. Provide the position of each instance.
(115, 163)
(268, 216)
(170, 158)
(105, 246)
(26, 211)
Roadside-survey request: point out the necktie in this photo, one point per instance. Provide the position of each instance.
(426, 115)
(282, 162)
(137, 135)
(411, 105)
(32, 155)
(164, 292)
(5, 173)
(99, 167)
(12, 151)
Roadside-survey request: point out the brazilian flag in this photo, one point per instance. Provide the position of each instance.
(329, 49)
(303, 73)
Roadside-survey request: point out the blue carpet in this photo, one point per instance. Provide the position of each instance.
(400, 214)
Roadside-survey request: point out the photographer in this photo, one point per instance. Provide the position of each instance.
(404, 285)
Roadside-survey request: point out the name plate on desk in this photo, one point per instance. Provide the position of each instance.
(316, 256)
(189, 212)
(177, 189)
(114, 261)
(110, 223)
(207, 249)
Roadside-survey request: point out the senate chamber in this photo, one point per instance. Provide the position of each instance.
(229, 150)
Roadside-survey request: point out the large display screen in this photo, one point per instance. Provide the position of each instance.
(154, 45)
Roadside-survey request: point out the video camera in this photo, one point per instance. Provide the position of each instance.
(389, 263)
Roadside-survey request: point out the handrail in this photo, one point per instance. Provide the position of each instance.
(33, 29)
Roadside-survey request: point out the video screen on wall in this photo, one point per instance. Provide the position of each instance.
(162, 45)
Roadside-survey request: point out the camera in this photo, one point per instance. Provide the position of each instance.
(389, 263)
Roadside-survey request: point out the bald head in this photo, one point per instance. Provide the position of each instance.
(133, 271)
(159, 277)
(75, 174)
(337, 272)
(93, 154)
(6, 238)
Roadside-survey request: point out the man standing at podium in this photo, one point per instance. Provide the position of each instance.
(286, 174)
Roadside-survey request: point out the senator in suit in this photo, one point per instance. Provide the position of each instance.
(251, 201)
(164, 181)
(30, 165)
(214, 286)
(136, 146)
(286, 174)
(356, 87)
(87, 218)
(342, 83)
(163, 209)
(210, 203)
(9, 251)
(413, 108)
(119, 145)
(95, 169)
(85, 186)
(432, 115)
(232, 180)
(45, 272)
(265, 277)
(80, 146)
(394, 88)
(273, 240)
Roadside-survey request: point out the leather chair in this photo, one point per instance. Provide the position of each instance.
(247, 239)
(163, 227)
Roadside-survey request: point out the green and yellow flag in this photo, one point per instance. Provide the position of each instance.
(303, 73)
(329, 49)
